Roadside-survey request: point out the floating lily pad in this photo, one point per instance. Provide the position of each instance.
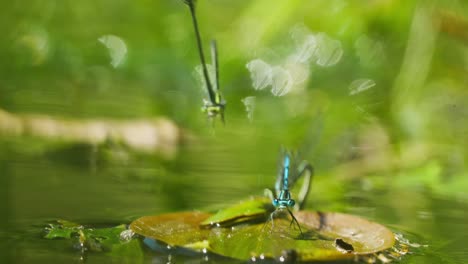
(248, 210)
(325, 236)
(365, 236)
(275, 239)
(175, 229)
(321, 236)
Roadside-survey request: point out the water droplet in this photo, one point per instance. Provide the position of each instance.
(329, 51)
(117, 49)
(360, 85)
(126, 235)
(308, 48)
(370, 52)
(299, 71)
(299, 33)
(306, 43)
(260, 73)
(282, 81)
(249, 103)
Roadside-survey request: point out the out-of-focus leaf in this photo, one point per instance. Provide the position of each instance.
(175, 229)
(248, 210)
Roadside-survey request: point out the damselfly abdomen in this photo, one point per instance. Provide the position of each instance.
(214, 104)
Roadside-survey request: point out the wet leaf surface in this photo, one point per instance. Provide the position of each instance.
(107, 239)
(276, 239)
(321, 236)
(175, 229)
(365, 236)
(248, 210)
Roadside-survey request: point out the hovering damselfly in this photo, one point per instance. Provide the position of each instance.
(214, 104)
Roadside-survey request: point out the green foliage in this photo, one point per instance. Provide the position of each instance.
(94, 239)
(62, 229)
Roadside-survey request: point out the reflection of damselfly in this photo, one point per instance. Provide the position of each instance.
(215, 104)
(290, 172)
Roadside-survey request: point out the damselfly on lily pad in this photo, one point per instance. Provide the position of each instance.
(323, 236)
(291, 169)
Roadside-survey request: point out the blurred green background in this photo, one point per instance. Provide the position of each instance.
(395, 153)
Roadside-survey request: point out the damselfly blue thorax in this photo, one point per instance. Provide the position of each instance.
(214, 104)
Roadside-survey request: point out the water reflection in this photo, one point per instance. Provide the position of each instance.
(249, 103)
(293, 71)
(360, 85)
(371, 53)
(117, 49)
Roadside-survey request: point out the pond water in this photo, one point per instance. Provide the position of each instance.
(36, 191)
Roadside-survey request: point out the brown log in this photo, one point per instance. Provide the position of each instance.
(159, 135)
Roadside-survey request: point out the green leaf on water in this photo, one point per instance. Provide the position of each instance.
(256, 208)
(275, 239)
(365, 236)
(55, 231)
(325, 236)
(175, 229)
(103, 239)
(127, 252)
(62, 229)
(93, 239)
